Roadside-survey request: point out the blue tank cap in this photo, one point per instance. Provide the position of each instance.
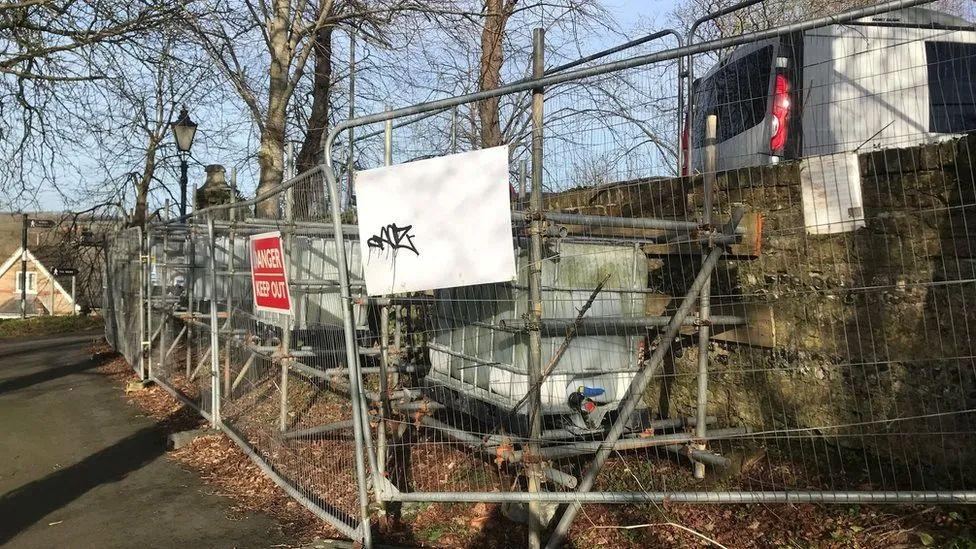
(591, 391)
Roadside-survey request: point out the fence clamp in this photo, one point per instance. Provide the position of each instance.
(383, 488)
(505, 452)
(531, 324)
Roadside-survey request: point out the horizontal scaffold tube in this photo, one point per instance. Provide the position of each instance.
(318, 430)
(798, 496)
(703, 456)
(616, 222)
(254, 225)
(613, 325)
(581, 448)
(477, 444)
(430, 406)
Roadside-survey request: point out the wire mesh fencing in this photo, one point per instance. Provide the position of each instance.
(788, 321)
(124, 301)
(284, 377)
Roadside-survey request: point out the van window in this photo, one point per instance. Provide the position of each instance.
(952, 87)
(737, 93)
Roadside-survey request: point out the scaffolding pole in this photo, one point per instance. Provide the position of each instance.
(637, 386)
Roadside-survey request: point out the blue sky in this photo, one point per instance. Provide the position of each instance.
(635, 17)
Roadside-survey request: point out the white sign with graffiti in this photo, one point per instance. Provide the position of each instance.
(437, 223)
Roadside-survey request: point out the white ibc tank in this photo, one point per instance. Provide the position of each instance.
(471, 355)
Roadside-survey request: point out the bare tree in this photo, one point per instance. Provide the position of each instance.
(265, 76)
(145, 84)
(496, 15)
(48, 64)
(322, 86)
(487, 44)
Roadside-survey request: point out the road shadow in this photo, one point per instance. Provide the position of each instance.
(48, 374)
(26, 505)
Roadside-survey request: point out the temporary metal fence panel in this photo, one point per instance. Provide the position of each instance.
(123, 298)
(824, 413)
(284, 382)
(655, 323)
(276, 384)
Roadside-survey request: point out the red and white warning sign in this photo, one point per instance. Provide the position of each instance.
(268, 277)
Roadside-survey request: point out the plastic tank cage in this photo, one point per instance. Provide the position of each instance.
(791, 330)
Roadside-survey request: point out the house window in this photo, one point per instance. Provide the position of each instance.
(31, 282)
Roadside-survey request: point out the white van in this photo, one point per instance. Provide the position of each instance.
(892, 80)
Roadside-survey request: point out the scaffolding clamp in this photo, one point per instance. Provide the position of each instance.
(503, 453)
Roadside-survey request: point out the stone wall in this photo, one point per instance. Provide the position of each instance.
(864, 328)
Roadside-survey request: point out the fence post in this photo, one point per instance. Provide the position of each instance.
(350, 156)
(704, 308)
(231, 278)
(385, 409)
(454, 129)
(352, 353)
(146, 305)
(191, 260)
(163, 315)
(145, 370)
(214, 329)
(23, 267)
(288, 325)
(681, 112)
(535, 294)
(109, 304)
(231, 282)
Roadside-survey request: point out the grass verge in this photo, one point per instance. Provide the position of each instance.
(47, 325)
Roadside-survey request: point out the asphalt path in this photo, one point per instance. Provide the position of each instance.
(81, 468)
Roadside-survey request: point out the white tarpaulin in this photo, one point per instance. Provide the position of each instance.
(437, 223)
(831, 193)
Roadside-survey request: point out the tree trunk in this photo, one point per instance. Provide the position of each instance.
(140, 213)
(318, 121)
(497, 13)
(271, 161)
(271, 155)
(310, 194)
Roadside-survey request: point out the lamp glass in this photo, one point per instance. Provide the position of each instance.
(184, 129)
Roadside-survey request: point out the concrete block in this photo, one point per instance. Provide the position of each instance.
(175, 441)
(137, 385)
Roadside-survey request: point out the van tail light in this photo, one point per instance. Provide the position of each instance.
(781, 114)
(684, 150)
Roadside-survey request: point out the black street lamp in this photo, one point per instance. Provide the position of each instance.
(183, 129)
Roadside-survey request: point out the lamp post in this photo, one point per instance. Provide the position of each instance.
(183, 129)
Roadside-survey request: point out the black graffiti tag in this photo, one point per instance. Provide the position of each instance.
(396, 238)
